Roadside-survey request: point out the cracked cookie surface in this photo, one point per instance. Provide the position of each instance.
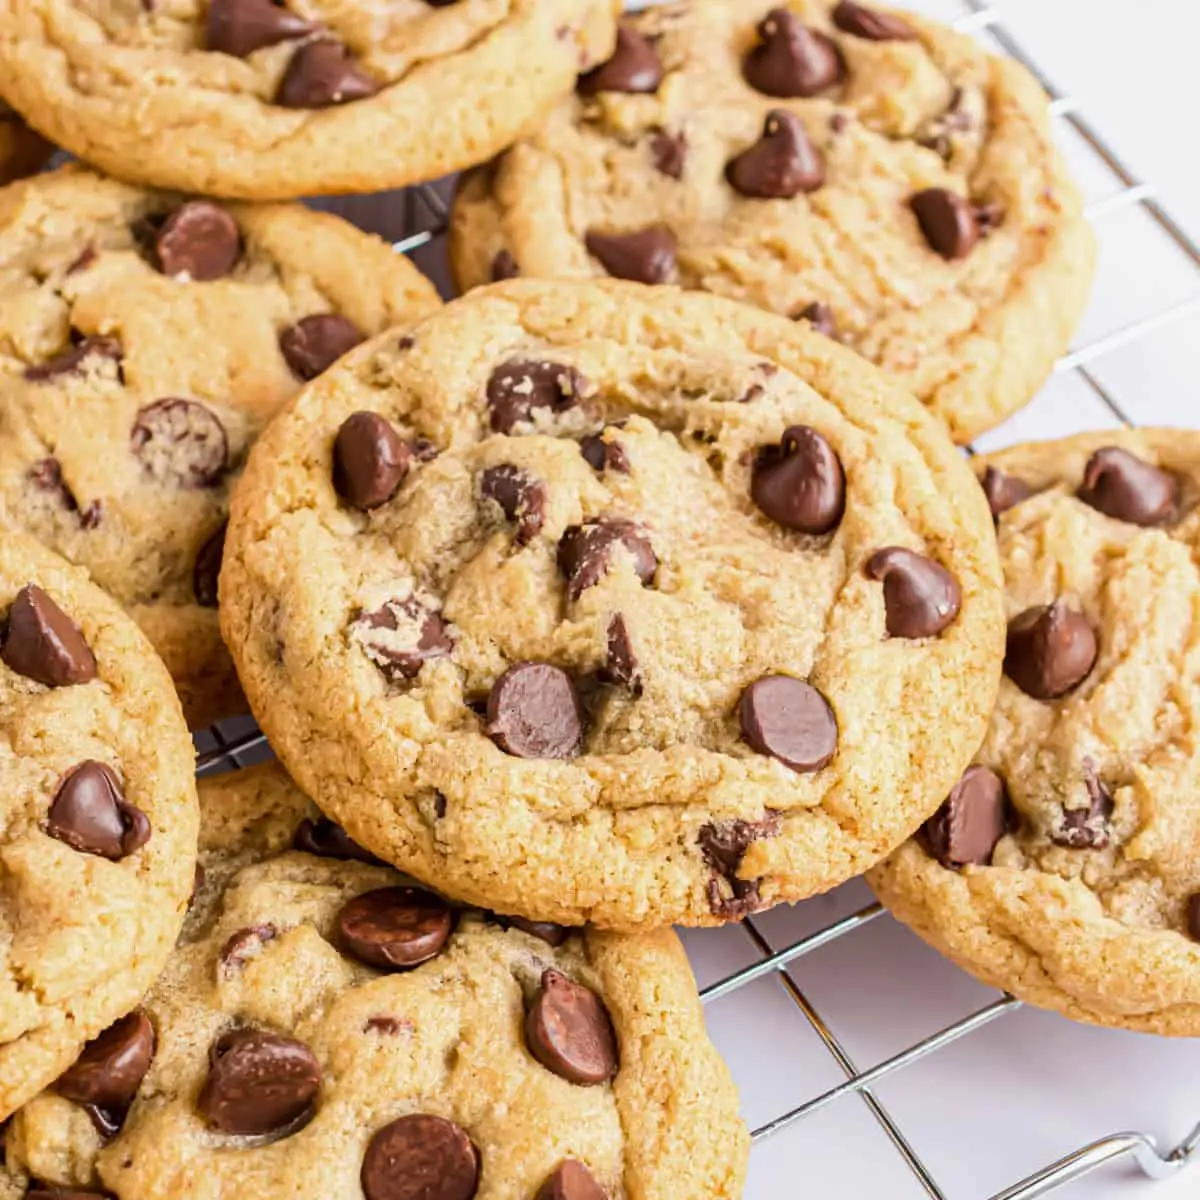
(589, 601)
(258, 100)
(144, 342)
(880, 176)
(1064, 867)
(511, 1056)
(99, 815)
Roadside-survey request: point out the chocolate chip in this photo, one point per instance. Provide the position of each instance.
(1051, 649)
(315, 343)
(669, 152)
(568, 1030)
(1122, 486)
(244, 945)
(1003, 491)
(420, 1157)
(327, 839)
(791, 60)
(585, 553)
(180, 442)
(645, 256)
(971, 820)
(71, 362)
(258, 1083)
(920, 597)
(42, 643)
(724, 845)
(198, 242)
(239, 27)
(90, 516)
(571, 1181)
(46, 1191)
(206, 571)
(387, 1026)
(604, 456)
(321, 74)
(504, 266)
(634, 67)
(401, 637)
(83, 260)
(106, 1122)
(546, 931)
(1193, 916)
(521, 498)
(820, 316)
(112, 1066)
(800, 483)
(370, 460)
(621, 663)
(518, 386)
(1086, 828)
(533, 711)
(90, 813)
(789, 720)
(781, 164)
(395, 928)
(439, 800)
(870, 23)
(947, 222)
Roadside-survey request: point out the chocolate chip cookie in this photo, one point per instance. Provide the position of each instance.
(877, 176)
(263, 100)
(325, 1030)
(21, 150)
(1063, 865)
(99, 803)
(144, 341)
(596, 601)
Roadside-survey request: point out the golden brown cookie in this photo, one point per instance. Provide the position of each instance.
(877, 175)
(99, 816)
(324, 1031)
(1063, 867)
(595, 601)
(144, 341)
(267, 101)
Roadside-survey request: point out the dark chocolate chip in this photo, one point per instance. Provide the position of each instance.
(669, 151)
(239, 27)
(258, 1083)
(112, 1066)
(521, 497)
(634, 67)
(604, 456)
(387, 1026)
(504, 266)
(199, 241)
(568, 1030)
(546, 931)
(71, 362)
(420, 1157)
(571, 1181)
(724, 845)
(315, 343)
(327, 839)
(244, 945)
(395, 928)
(106, 1122)
(533, 711)
(1003, 491)
(621, 662)
(180, 442)
(870, 23)
(645, 256)
(947, 222)
(206, 571)
(920, 597)
(90, 813)
(518, 386)
(439, 800)
(799, 483)
(46, 475)
(971, 820)
(820, 316)
(1122, 486)
(90, 516)
(1086, 828)
(1051, 649)
(791, 60)
(321, 74)
(1193, 916)
(370, 460)
(789, 720)
(402, 636)
(42, 643)
(781, 164)
(585, 553)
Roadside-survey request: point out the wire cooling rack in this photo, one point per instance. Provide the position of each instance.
(763, 953)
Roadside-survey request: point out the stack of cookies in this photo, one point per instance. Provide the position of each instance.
(643, 584)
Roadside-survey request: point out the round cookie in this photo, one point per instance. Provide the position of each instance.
(258, 100)
(99, 829)
(881, 177)
(276, 1056)
(22, 152)
(1063, 867)
(144, 342)
(583, 670)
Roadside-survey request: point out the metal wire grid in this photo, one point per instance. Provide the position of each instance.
(237, 744)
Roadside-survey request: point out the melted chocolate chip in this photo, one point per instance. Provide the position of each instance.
(568, 1030)
(871, 24)
(571, 1181)
(800, 483)
(401, 637)
(42, 643)
(791, 60)
(199, 242)
(519, 386)
(206, 571)
(112, 1066)
(521, 497)
(258, 1083)
(321, 74)
(947, 222)
(621, 662)
(315, 343)
(820, 316)
(546, 931)
(72, 362)
(1122, 486)
(669, 151)
(327, 839)
(1192, 916)
(789, 720)
(244, 945)
(395, 928)
(239, 27)
(420, 1157)
(180, 442)
(1051, 650)
(972, 819)
(604, 456)
(920, 597)
(1086, 828)
(1003, 491)
(634, 67)
(90, 813)
(724, 845)
(586, 553)
(370, 460)
(504, 266)
(644, 256)
(781, 164)
(533, 711)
